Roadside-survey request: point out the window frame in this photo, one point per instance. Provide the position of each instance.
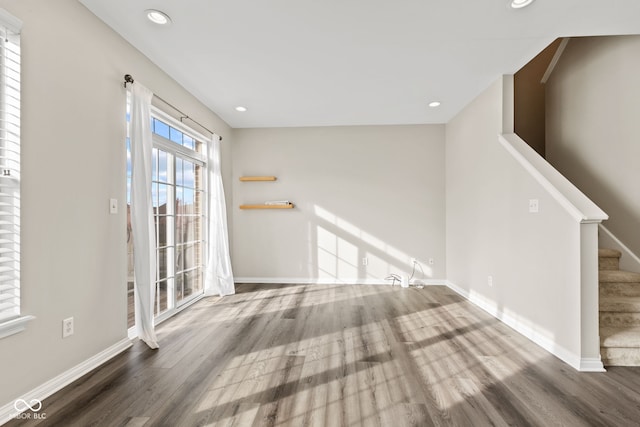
(12, 319)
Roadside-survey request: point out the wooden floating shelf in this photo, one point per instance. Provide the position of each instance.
(289, 206)
(257, 178)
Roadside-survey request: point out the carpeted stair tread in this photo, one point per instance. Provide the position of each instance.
(619, 289)
(620, 337)
(617, 319)
(618, 276)
(621, 304)
(608, 259)
(620, 356)
(609, 253)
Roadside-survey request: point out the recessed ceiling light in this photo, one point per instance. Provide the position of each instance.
(158, 17)
(518, 4)
(241, 109)
(434, 104)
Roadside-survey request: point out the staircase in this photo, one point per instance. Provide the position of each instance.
(619, 312)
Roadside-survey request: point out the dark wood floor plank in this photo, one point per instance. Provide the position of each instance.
(302, 355)
(309, 404)
(186, 396)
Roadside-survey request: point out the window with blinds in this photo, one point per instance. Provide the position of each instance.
(10, 319)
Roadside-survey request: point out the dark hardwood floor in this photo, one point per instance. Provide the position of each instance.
(301, 355)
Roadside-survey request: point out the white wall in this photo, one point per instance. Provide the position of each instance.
(362, 191)
(73, 161)
(534, 259)
(593, 126)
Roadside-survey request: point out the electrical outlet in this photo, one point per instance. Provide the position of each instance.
(490, 281)
(67, 327)
(365, 261)
(534, 206)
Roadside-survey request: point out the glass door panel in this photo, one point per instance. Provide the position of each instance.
(189, 231)
(178, 210)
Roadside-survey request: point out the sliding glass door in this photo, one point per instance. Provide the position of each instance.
(178, 193)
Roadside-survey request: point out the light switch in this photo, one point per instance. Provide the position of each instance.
(113, 206)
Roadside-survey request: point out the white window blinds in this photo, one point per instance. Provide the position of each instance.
(9, 169)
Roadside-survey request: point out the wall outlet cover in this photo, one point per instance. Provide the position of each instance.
(67, 327)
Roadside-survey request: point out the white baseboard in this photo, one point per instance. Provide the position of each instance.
(628, 261)
(328, 281)
(309, 281)
(569, 357)
(9, 412)
(591, 364)
(433, 282)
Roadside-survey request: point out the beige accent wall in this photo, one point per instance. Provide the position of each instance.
(533, 259)
(593, 127)
(374, 192)
(74, 256)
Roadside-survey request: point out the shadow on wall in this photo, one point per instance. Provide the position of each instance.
(339, 249)
(529, 98)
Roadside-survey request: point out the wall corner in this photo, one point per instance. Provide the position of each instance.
(507, 104)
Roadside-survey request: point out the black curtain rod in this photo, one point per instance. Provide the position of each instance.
(129, 79)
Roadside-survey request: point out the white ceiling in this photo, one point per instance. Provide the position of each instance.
(350, 62)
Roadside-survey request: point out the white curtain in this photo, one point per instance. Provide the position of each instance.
(142, 224)
(218, 275)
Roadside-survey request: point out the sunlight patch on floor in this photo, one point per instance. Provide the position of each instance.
(360, 368)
